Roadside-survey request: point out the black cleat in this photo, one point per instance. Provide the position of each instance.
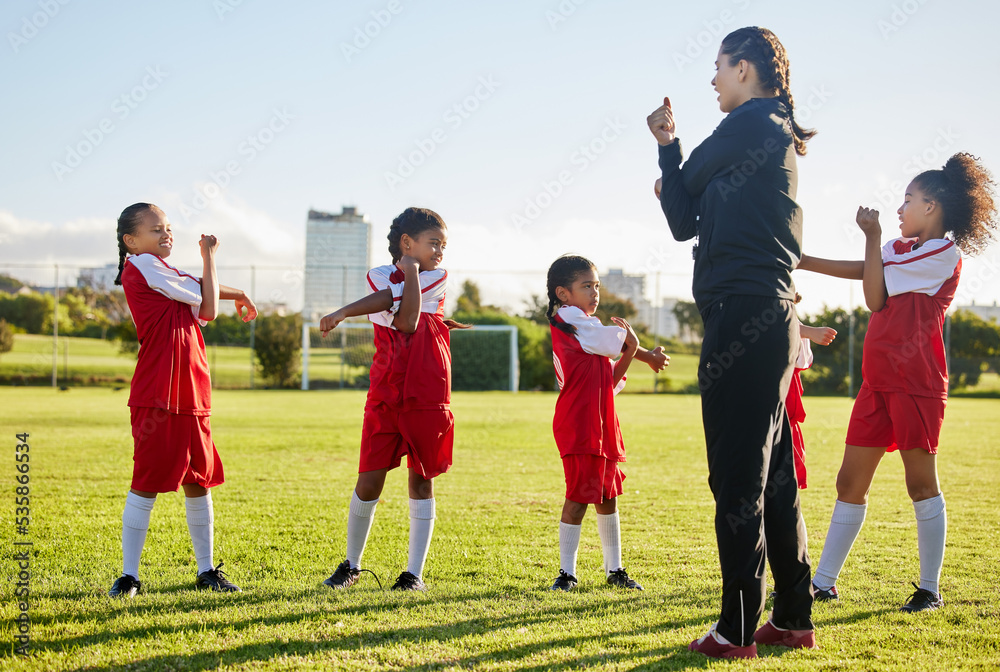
(344, 576)
(821, 595)
(564, 582)
(620, 579)
(922, 600)
(407, 581)
(125, 586)
(215, 580)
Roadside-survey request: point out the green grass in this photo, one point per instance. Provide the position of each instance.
(291, 462)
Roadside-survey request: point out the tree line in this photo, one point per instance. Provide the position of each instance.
(974, 343)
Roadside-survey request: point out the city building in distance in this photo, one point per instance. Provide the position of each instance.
(338, 255)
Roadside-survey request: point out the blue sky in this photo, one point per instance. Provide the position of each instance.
(521, 123)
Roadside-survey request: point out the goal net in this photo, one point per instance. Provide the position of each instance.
(482, 358)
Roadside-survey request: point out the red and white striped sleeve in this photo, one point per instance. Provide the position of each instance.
(169, 281)
(432, 289)
(923, 270)
(594, 337)
(379, 278)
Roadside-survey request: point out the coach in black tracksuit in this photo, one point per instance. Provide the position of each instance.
(735, 197)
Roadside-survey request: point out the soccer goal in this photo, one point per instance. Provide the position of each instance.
(482, 358)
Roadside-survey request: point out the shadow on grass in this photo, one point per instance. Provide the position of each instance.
(535, 612)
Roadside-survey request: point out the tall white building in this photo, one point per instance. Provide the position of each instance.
(633, 288)
(338, 255)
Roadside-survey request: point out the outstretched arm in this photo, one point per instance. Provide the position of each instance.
(373, 303)
(818, 335)
(242, 301)
(851, 270)
(656, 358)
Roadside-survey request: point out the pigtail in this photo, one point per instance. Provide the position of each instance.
(128, 222)
(762, 48)
(965, 190)
(121, 261)
(562, 273)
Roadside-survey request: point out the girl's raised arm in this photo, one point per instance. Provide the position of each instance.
(873, 280)
(378, 302)
(209, 279)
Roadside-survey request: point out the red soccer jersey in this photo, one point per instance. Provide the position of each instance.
(411, 371)
(585, 421)
(171, 372)
(797, 412)
(904, 346)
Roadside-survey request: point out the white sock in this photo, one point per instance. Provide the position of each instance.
(611, 541)
(845, 523)
(932, 527)
(135, 524)
(421, 529)
(360, 517)
(569, 544)
(200, 520)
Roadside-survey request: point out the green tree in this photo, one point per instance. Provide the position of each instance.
(689, 319)
(277, 342)
(30, 311)
(9, 284)
(469, 301)
(973, 343)
(6, 337)
(535, 309)
(534, 347)
(832, 363)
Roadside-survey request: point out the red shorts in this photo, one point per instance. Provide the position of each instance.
(426, 437)
(895, 421)
(592, 479)
(172, 450)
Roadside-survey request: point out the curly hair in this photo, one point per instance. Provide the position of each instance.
(964, 189)
(761, 47)
(412, 222)
(562, 273)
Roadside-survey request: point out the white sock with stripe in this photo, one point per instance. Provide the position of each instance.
(845, 524)
(360, 517)
(932, 528)
(201, 526)
(422, 513)
(135, 524)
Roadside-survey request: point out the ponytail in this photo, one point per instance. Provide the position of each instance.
(562, 273)
(128, 222)
(761, 47)
(965, 191)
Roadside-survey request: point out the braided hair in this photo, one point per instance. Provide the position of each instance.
(761, 47)
(964, 189)
(128, 222)
(563, 273)
(412, 222)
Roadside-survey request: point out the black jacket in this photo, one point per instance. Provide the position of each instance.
(736, 192)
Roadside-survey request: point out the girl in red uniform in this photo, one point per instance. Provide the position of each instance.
(585, 425)
(171, 395)
(793, 402)
(408, 408)
(909, 283)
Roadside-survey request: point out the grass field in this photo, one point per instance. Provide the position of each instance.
(280, 523)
